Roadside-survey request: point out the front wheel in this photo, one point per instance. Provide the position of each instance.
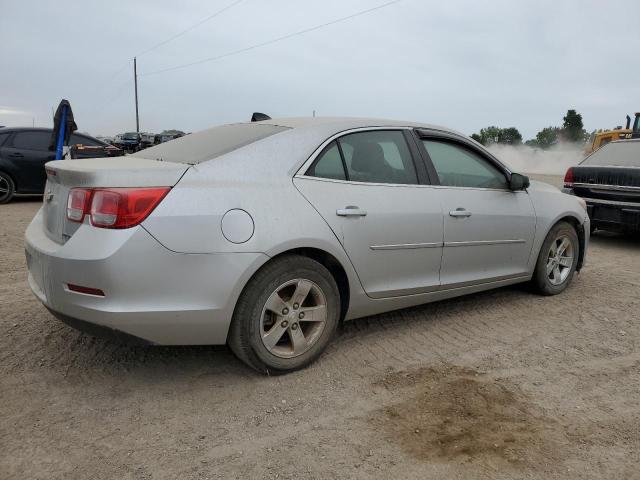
(286, 316)
(557, 260)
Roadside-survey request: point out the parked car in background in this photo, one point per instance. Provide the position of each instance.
(267, 235)
(609, 181)
(146, 140)
(129, 142)
(24, 151)
(108, 140)
(117, 141)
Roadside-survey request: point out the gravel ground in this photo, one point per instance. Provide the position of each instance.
(498, 385)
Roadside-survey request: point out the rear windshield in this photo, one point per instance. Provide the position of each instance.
(207, 144)
(616, 154)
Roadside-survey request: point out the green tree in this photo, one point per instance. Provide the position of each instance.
(548, 136)
(572, 127)
(510, 136)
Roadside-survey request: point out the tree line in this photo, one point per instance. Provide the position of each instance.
(571, 131)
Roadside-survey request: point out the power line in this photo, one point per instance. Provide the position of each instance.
(269, 42)
(170, 39)
(188, 29)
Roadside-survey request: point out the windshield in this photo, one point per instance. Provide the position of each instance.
(616, 154)
(208, 144)
(130, 136)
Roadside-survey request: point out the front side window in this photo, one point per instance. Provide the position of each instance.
(379, 156)
(32, 141)
(458, 166)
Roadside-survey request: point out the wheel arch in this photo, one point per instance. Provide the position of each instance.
(578, 225)
(325, 258)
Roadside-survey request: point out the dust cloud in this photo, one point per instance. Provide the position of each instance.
(524, 159)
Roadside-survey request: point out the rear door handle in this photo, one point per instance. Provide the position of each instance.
(350, 211)
(16, 155)
(460, 212)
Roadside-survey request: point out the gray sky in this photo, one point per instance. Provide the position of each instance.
(463, 64)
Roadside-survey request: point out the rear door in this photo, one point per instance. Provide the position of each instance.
(488, 229)
(28, 151)
(367, 188)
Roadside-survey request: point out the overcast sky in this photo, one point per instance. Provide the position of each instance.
(463, 64)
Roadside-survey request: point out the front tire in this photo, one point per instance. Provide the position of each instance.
(7, 188)
(557, 260)
(286, 315)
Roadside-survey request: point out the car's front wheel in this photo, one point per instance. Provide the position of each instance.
(286, 315)
(7, 188)
(557, 260)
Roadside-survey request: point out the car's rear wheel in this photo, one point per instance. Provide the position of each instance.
(7, 188)
(286, 316)
(557, 260)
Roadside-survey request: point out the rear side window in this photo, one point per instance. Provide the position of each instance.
(379, 156)
(329, 164)
(32, 141)
(460, 167)
(82, 140)
(625, 153)
(3, 137)
(209, 144)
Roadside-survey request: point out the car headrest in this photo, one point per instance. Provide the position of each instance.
(368, 157)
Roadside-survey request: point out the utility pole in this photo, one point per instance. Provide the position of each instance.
(135, 81)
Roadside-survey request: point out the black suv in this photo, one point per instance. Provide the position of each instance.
(24, 151)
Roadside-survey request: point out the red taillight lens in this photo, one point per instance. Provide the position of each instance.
(78, 204)
(113, 207)
(124, 207)
(568, 178)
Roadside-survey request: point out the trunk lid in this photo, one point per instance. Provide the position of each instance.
(63, 175)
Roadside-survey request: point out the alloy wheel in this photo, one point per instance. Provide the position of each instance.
(559, 260)
(293, 318)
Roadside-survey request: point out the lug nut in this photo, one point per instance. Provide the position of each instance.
(285, 311)
(294, 326)
(284, 324)
(301, 315)
(295, 306)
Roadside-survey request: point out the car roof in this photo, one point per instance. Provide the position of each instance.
(37, 129)
(347, 123)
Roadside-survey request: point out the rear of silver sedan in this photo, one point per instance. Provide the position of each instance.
(111, 278)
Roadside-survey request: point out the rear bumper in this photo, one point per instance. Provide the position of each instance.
(151, 293)
(612, 214)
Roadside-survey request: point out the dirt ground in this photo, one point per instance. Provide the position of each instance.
(498, 385)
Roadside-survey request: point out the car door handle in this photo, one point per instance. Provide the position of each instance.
(16, 155)
(460, 212)
(350, 211)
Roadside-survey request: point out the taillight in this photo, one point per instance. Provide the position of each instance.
(78, 204)
(568, 178)
(115, 207)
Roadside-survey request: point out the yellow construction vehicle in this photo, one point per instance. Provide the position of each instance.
(599, 139)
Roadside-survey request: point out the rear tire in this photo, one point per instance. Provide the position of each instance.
(286, 315)
(7, 188)
(557, 260)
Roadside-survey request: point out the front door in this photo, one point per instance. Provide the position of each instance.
(488, 229)
(365, 187)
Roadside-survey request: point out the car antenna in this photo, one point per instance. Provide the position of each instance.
(258, 117)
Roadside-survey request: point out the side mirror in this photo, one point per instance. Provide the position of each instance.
(518, 182)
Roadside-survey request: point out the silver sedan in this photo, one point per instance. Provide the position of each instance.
(267, 235)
